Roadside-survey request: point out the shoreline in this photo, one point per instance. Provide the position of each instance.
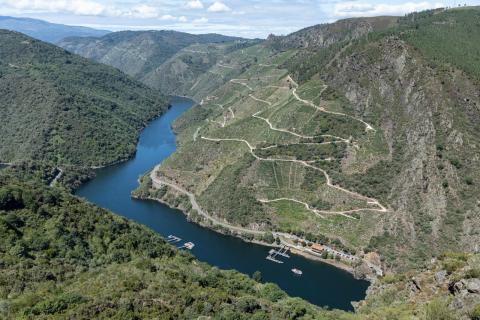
(120, 161)
(293, 250)
(236, 234)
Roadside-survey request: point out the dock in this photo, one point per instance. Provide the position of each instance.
(281, 252)
(272, 254)
(173, 239)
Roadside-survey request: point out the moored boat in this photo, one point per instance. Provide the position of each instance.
(297, 271)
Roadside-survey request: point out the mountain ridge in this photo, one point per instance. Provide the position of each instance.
(46, 31)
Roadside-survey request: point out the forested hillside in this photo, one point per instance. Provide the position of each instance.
(364, 139)
(64, 109)
(161, 59)
(64, 258)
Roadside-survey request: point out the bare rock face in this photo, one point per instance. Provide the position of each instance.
(363, 271)
(416, 107)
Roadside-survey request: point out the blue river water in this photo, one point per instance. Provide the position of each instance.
(320, 283)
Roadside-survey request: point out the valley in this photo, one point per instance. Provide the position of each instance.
(354, 144)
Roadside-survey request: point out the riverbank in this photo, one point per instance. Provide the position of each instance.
(245, 234)
(293, 250)
(321, 283)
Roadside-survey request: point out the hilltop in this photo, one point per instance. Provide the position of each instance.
(64, 109)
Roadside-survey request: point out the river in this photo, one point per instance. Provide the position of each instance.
(320, 284)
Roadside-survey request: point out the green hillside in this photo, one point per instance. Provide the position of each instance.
(64, 258)
(64, 109)
(161, 59)
(366, 142)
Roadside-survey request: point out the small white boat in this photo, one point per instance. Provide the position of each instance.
(189, 245)
(297, 271)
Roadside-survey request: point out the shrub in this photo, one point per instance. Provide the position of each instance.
(438, 310)
(475, 313)
(473, 273)
(452, 265)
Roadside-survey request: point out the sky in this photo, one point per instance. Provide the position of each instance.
(246, 18)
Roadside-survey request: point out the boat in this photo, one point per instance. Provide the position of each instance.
(297, 271)
(189, 245)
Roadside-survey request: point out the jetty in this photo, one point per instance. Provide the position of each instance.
(173, 239)
(273, 254)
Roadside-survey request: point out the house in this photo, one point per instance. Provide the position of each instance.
(317, 247)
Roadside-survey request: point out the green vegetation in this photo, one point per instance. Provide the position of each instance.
(171, 61)
(412, 79)
(236, 200)
(64, 109)
(64, 258)
(446, 37)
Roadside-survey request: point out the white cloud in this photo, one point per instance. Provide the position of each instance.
(200, 21)
(195, 4)
(355, 9)
(142, 11)
(78, 7)
(218, 6)
(183, 19)
(168, 17)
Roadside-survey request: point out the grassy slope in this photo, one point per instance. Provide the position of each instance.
(228, 181)
(420, 162)
(64, 109)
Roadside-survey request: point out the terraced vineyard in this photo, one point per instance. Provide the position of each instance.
(263, 148)
(359, 143)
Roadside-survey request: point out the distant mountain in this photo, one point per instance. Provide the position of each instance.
(46, 31)
(142, 53)
(65, 109)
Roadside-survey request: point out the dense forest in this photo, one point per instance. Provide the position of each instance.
(65, 109)
(64, 258)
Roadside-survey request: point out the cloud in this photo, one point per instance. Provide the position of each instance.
(200, 21)
(168, 17)
(218, 6)
(183, 19)
(141, 11)
(78, 7)
(195, 4)
(355, 9)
